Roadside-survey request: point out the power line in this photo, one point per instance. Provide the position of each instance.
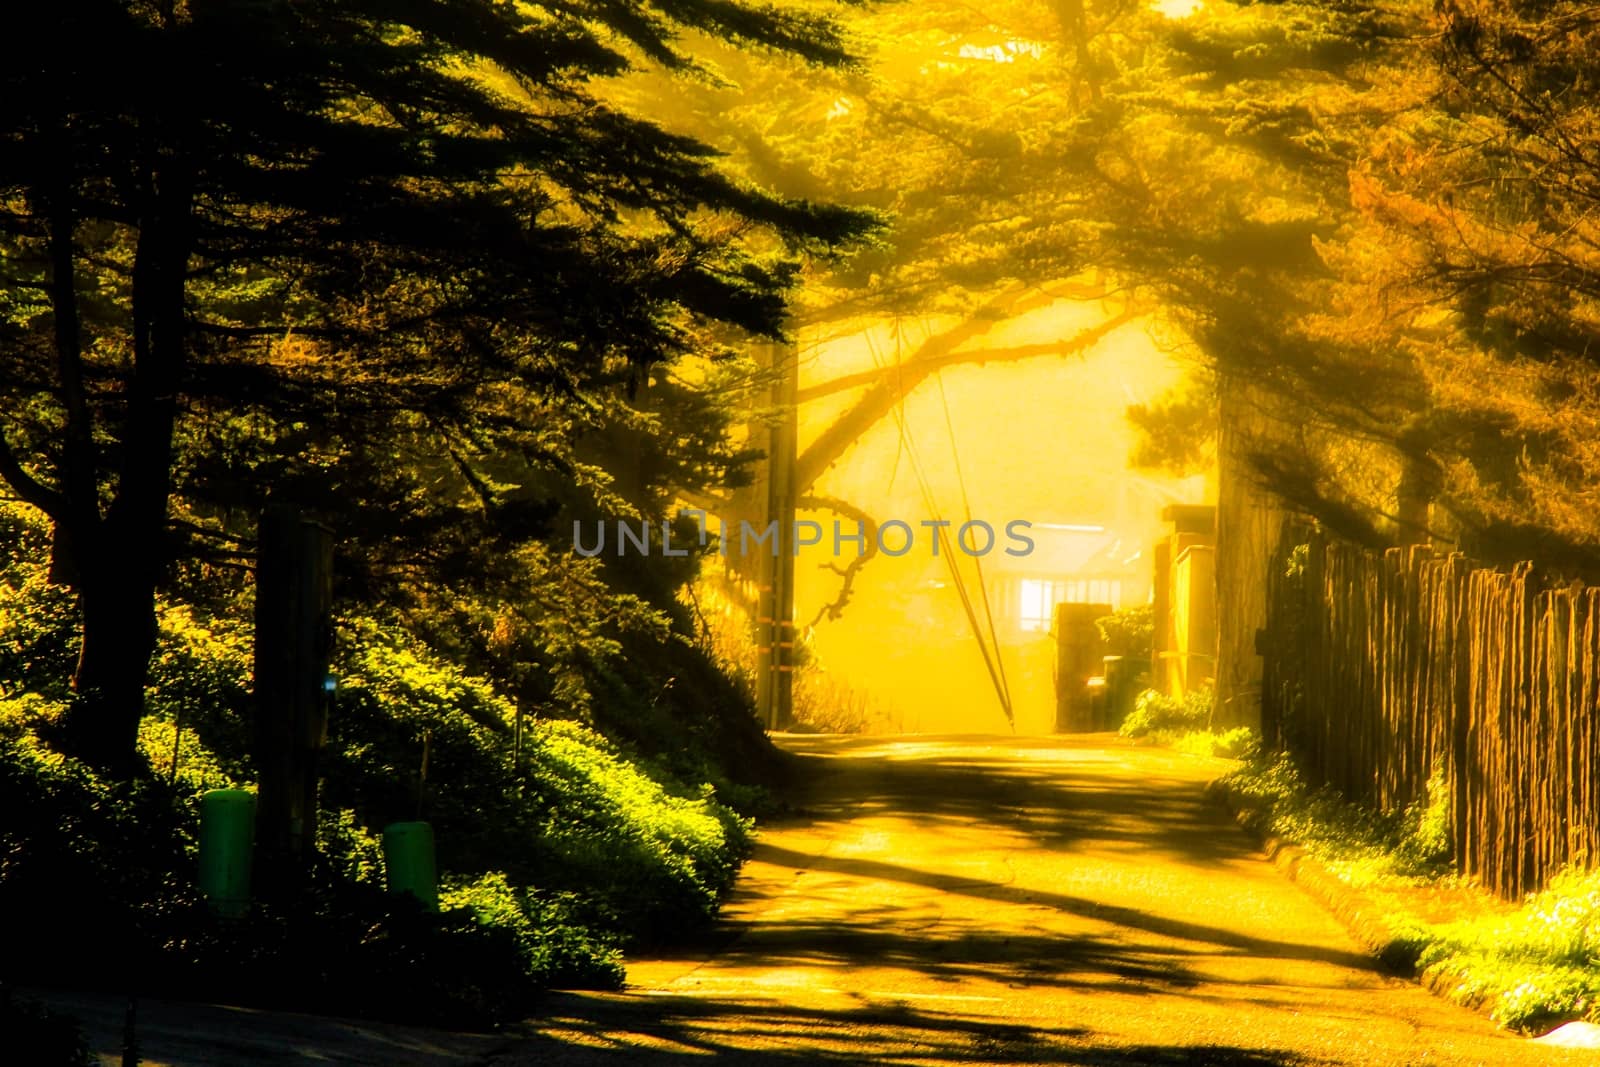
(977, 561)
(996, 673)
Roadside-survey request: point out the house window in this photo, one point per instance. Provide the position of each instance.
(1037, 603)
(1037, 598)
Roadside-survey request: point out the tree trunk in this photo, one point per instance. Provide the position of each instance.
(1414, 495)
(118, 639)
(1248, 520)
(119, 560)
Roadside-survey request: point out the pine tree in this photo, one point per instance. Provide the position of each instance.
(310, 237)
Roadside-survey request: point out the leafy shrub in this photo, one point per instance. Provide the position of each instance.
(104, 873)
(1533, 967)
(658, 860)
(201, 675)
(1129, 632)
(1357, 842)
(349, 849)
(555, 946)
(183, 758)
(567, 812)
(345, 948)
(664, 700)
(1155, 713)
(1239, 743)
(1425, 842)
(90, 863)
(617, 844)
(38, 620)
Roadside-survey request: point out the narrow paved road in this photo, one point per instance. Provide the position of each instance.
(1000, 900)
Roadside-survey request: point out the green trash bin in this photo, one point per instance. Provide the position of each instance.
(227, 835)
(408, 860)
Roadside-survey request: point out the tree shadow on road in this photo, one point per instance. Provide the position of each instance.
(1132, 918)
(1062, 802)
(601, 1029)
(940, 920)
(1077, 804)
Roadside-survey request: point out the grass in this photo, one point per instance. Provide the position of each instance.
(1530, 966)
(1360, 845)
(1238, 743)
(1535, 967)
(1185, 725)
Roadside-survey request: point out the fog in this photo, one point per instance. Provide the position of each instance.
(1043, 440)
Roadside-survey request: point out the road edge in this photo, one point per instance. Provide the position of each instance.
(1348, 904)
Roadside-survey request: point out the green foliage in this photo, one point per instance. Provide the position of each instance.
(1156, 713)
(105, 870)
(412, 272)
(1425, 840)
(1360, 844)
(1178, 431)
(551, 861)
(200, 674)
(1534, 967)
(1128, 632)
(664, 698)
(38, 620)
(554, 943)
(349, 849)
(658, 861)
(569, 811)
(182, 757)
(345, 948)
(1239, 743)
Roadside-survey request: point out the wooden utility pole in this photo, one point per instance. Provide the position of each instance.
(775, 573)
(294, 637)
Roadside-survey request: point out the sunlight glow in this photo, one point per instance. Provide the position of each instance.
(1178, 9)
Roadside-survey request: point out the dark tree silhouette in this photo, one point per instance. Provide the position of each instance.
(254, 227)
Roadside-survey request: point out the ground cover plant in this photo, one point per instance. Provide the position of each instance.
(1529, 966)
(559, 847)
(1185, 724)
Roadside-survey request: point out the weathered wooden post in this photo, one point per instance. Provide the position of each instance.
(775, 562)
(784, 498)
(294, 637)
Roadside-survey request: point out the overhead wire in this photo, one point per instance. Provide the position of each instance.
(930, 501)
(977, 560)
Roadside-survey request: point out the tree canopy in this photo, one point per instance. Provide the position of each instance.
(379, 259)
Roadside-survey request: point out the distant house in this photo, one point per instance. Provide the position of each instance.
(1072, 563)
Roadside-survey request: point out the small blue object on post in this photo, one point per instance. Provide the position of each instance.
(227, 835)
(408, 859)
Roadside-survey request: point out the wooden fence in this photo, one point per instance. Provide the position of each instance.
(1382, 670)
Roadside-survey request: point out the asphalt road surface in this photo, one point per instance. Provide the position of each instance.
(1015, 900)
(949, 900)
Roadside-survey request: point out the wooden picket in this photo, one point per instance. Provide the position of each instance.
(1386, 670)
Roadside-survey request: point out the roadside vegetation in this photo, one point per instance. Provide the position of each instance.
(1530, 967)
(1185, 724)
(559, 847)
(417, 276)
(828, 704)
